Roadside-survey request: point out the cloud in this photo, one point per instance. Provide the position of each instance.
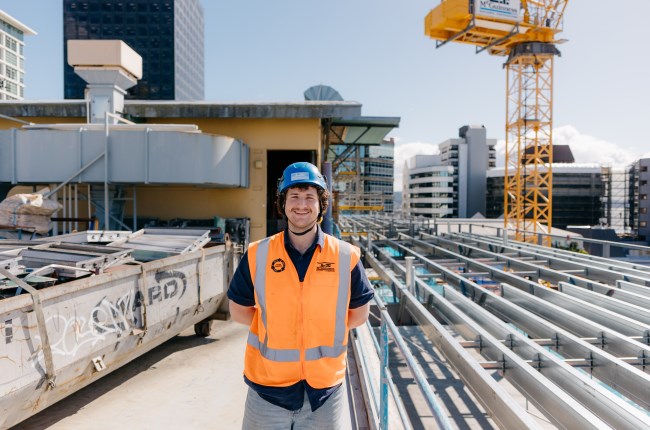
(589, 149)
(585, 148)
(404, 151)
(500, 149)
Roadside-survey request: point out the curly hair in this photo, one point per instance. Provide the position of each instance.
(323, 197)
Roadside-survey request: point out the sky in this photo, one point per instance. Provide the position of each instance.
(375, 52)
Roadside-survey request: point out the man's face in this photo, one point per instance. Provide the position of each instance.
(301, 207)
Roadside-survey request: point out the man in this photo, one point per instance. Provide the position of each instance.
(299, 291)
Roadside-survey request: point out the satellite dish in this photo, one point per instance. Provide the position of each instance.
(322, 93)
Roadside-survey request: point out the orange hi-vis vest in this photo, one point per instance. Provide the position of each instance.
(300, 329)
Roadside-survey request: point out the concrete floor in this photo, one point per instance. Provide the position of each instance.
(187, 383)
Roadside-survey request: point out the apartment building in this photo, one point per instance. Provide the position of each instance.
(12, 57)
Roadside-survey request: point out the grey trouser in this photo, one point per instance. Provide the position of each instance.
(262, 415)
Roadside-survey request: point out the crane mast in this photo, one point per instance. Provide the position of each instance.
(524, 31)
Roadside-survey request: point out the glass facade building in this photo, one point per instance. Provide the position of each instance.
(365, 177)
(639, 183)
(169, 35)
(577, 190)
(12, 59)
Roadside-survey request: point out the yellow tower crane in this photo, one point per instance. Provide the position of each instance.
(525, 31)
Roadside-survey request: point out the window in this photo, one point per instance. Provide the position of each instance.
(643, 197)
(643, 211)
(11, 43)
(11, 58)
(12, 73)
(643, 224)
(11, 87)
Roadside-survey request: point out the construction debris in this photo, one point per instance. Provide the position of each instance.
(31, 212)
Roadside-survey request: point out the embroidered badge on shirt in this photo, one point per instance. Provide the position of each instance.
(278, 265)
(324, 266)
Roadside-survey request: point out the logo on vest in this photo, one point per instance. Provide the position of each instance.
(324, 267)
(278, 265)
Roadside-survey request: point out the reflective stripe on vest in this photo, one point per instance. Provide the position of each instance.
(293, 355)
(285, 355)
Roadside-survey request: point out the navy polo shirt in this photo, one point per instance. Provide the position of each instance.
(242, 292)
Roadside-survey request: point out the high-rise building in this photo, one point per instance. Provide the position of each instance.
(167, 34)
(427, 187)
(639, 173)
(12, 59)
(452, 184)
(471, 155)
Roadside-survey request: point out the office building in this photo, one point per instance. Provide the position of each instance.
(427, 187)
(167, 34)
(12, 58)
(471, 155)
(577, 190)
(363, 176)
(639, 184)
(615, 199)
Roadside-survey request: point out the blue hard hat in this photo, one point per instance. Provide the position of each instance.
(301, 173)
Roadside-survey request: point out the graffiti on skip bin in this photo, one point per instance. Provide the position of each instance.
(168, 285)
(116, 317)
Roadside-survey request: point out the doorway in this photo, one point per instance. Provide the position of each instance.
(277, 161)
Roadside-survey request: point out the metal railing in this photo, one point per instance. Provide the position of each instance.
(387, 325)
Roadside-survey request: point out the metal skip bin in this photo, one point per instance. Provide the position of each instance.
(96, 324)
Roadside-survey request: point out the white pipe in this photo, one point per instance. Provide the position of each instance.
(64, 210)
(76, 207)
(89, 208)
(106, 208)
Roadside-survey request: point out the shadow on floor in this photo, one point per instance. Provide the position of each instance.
(74, 402)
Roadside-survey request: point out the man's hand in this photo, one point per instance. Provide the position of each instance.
(241, 314)
(358, 316)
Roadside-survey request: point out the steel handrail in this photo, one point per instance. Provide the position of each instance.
(420, 378)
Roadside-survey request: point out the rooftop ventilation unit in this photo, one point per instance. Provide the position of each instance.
(110, 67)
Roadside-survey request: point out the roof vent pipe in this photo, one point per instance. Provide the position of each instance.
(109, 67)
